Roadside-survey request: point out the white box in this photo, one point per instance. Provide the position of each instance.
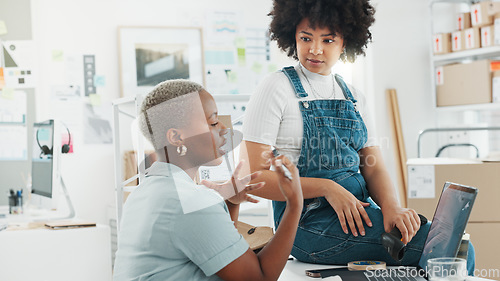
(472, 38)
(441, 43)
(463, 21)
(497, 31)
(480, 14)
(496, 87)
(487, 36)
(457, 41)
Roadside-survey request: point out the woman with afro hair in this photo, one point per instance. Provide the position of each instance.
(310, 115)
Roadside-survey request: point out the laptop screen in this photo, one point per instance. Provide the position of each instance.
(449, 222)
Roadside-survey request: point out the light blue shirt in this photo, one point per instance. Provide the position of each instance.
(163, 237)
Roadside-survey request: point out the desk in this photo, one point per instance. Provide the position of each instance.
(295, 271)
(44, 254)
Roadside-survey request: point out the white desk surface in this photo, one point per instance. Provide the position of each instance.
(44, 254)
(295, 271)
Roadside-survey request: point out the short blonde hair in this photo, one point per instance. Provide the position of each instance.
(166, 107)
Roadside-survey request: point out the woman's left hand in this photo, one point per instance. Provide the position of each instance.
(406, 220)
(236, 189)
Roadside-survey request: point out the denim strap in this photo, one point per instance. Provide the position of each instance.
(345, 89)
(295, 80)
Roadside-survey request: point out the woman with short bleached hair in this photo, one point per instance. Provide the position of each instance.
(173, 229)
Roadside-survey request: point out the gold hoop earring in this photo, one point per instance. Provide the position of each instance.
(181, 150)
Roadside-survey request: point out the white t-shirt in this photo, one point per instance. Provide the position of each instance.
(273, 115)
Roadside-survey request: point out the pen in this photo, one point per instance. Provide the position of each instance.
(287, 172)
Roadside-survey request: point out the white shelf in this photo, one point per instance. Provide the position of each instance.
(468, 107)
(492, 53)
(481, 53)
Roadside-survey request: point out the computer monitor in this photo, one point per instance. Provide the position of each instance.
(44, 168)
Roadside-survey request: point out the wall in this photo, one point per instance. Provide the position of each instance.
(399, 58)
(17, 17)
(90, 27)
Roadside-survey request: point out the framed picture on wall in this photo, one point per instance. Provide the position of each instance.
(150, 55)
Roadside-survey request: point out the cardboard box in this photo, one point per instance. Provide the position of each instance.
(482, 13)
(496, 87)
(487, 36)
(472, 38)
(427, 176)
(459, 84)
(457, 41)
(441, 43)
(493, 7)
(497, 29)
(484, 238)
(463, 21)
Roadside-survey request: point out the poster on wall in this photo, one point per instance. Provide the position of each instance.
(150, 55)
(65, 92)
(89, 74)
(237, 56)
(18, 60)
(222, 26)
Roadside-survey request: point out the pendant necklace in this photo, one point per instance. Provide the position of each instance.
(314, 90)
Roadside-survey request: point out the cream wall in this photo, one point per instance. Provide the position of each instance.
(90, 27)
(399, 58)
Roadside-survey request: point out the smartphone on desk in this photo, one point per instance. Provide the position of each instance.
(315, 273)
(342, 272)
(326, 272)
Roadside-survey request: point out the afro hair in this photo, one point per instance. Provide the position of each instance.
(349, 18)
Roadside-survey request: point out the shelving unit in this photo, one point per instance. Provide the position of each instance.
(457, 57)
(480, 230)
(481, 53)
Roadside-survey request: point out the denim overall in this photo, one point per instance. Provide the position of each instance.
(334, 132)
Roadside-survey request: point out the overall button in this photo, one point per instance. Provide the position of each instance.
(306, 104)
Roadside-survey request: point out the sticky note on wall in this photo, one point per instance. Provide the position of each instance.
(232, 76)
(95, 100)
(3, 28)
(57, 55)
(7, 93)
(2, 79)
(99, 80)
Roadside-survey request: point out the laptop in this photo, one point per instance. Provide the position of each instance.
(443, 240)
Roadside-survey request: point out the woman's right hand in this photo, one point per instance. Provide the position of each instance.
(291, 189)
(350, 211)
